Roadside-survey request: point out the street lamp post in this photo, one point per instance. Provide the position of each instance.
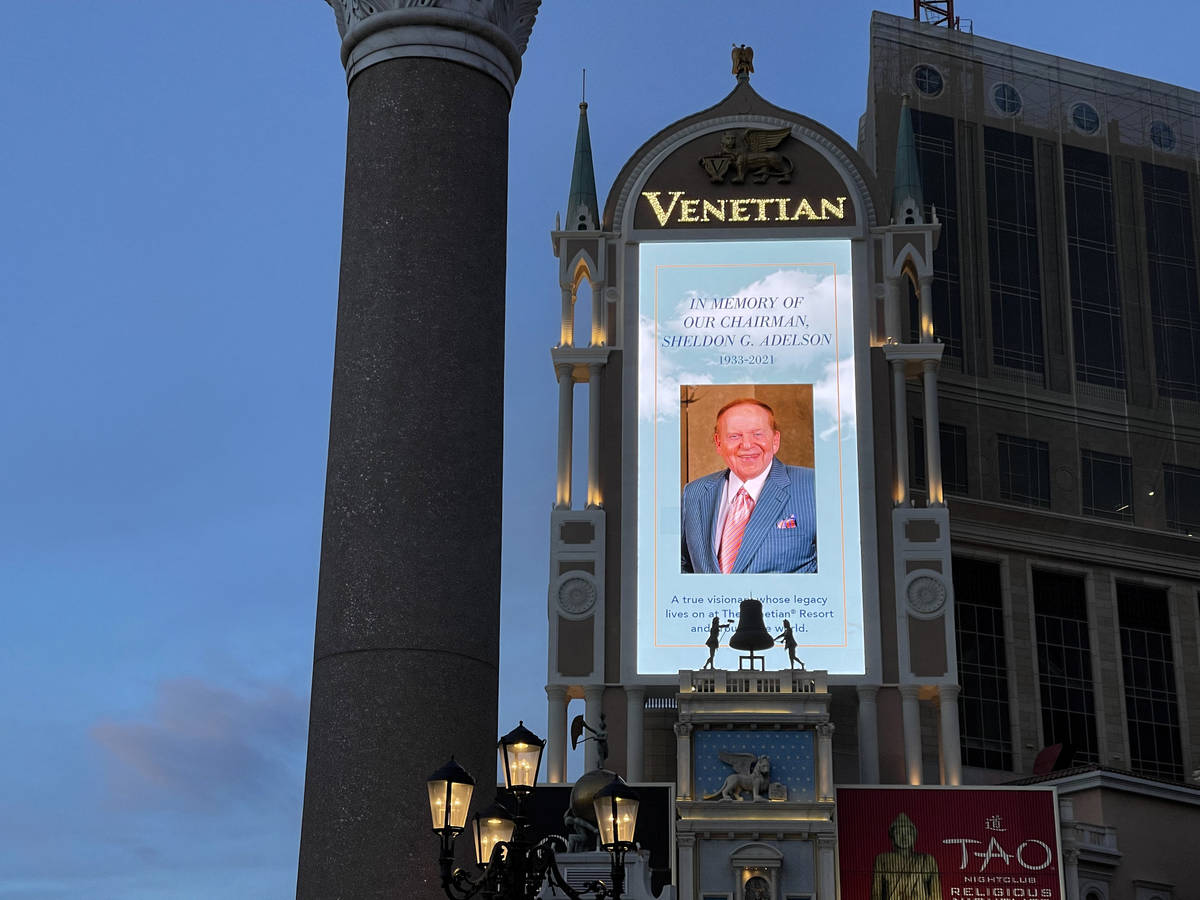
(512, 865)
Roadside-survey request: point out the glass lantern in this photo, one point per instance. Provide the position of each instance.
(616, 807)
(520, 757)
(493, 826)
(450, 789)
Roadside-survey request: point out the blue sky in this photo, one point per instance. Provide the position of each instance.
(170, 208)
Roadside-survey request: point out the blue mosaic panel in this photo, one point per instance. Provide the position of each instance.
(791, 754)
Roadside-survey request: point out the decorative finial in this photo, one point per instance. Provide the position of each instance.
(583, 92)
(743, 62)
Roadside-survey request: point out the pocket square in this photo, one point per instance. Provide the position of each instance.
(789, 522)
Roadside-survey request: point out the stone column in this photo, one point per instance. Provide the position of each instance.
(406, 650)
(556, 739)
(593, 705)
(826, 867)
(951, 749)
(933, 434)
(900, 411)
(925, 302)
(687, 866)
(635, 732)
(683, 761)
(868, 734)
(891, 309)
(824, 761)
(566, 422)
(593, 469)
(910, 708)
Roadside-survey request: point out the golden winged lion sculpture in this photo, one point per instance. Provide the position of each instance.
(750, 152)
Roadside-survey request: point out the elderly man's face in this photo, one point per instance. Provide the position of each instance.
(746, 440)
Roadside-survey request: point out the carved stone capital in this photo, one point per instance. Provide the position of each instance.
(488, 35)
(825, 731)
(683, 729)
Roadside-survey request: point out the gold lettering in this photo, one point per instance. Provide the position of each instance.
(717, 212)
(839, 210)
(663, 215)
(737, 210)
(762, 209)
(805, 209)
(687, 210)
(782, 201)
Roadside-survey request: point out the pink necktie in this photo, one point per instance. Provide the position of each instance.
(734, 528)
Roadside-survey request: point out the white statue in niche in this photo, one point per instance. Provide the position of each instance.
(751, 773)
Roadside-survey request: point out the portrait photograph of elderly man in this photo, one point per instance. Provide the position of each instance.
(756, 513)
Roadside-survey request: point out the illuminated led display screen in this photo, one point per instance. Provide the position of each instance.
(748, 482)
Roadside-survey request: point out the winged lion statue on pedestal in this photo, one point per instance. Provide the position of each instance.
(750, 773)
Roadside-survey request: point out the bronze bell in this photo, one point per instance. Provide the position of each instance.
(751, 633)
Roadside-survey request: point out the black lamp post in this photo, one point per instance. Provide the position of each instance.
(512, 866)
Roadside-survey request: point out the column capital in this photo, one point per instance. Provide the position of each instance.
(556, 691)
(596, 368)
(685, 839)
(867, 692)
(910, 691)
(825, 730)
(683, 729)
(593, 690)
(826, 841)
(488, 35)
(948, 693)
(635, 690)
(564, 370)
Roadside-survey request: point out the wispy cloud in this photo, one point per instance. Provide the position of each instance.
(205, 747)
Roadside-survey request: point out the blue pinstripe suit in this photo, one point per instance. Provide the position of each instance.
(787, 494)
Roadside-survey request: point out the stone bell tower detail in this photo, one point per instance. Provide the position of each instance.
(578, 524)
(921, 535)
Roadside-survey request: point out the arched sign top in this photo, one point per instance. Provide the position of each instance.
(743, 164)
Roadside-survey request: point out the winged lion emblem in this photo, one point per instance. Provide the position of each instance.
(751, 773)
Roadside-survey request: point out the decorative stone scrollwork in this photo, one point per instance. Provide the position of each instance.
(926, 595)
(576, 596)
(514, 17)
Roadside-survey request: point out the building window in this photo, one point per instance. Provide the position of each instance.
(1006, 99)
(1065, 663)
(982, 665)
(1174, 301)
(954, 456)
(928, 80)
(1182, 488)
(1085, 118)
(934, 137)
(1092, 255)
(1162, 135)
(1024, 470)
(1151, 702)
(1013, 264)
(1107, 483)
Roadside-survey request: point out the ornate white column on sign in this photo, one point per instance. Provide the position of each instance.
(825, 761)
(556, 725)
(868, 734)
(910, 707)
(951, 750)
(683, 760)
(593, 497)
(826, 868)
(593, 699)
(566, 415)
(933, 439)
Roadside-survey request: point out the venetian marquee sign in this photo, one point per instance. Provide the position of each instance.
(744, 177)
